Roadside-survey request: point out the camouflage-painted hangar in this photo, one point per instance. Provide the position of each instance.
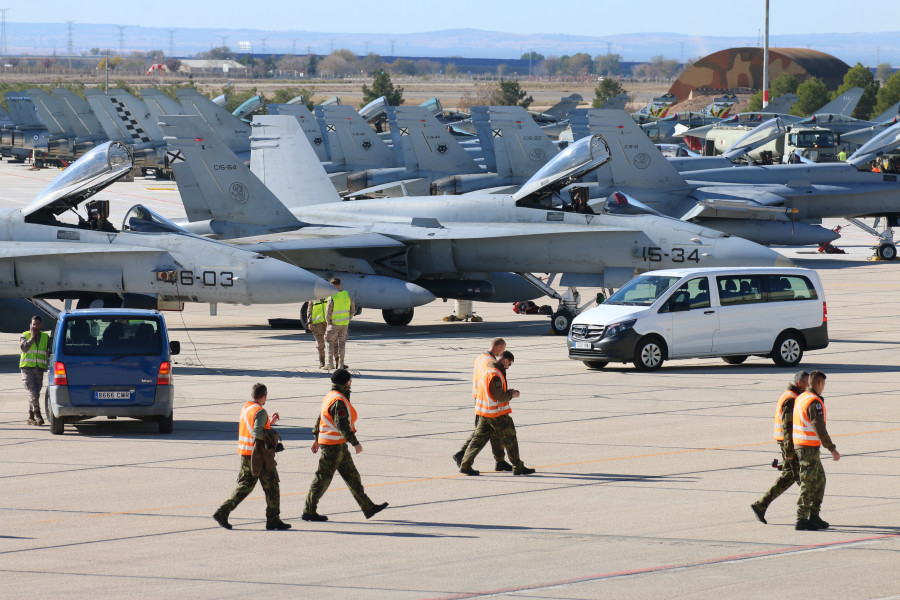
(743, 68)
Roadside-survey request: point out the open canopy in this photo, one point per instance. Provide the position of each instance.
(566, 168)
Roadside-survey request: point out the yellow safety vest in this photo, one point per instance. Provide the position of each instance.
(329, 434)
(246, 439)
(340, 310)
(318, 312)
(36, 356)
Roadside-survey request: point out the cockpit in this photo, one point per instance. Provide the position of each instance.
(141, 219)
(544, 189)
(619, 203)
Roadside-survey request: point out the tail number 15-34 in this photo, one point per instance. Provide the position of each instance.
(676, 255)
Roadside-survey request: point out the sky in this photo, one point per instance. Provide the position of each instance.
(592, 17)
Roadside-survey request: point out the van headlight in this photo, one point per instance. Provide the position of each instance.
(620, 327)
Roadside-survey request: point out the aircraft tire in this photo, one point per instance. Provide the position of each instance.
(887, 252)
(399, 317)
(561, 322)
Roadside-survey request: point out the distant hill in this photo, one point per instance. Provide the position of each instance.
(52, 38)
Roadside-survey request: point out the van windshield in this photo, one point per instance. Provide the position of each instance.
(119, 336)
(643, 290)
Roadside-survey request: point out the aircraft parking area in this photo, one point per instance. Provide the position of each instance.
(643, 485)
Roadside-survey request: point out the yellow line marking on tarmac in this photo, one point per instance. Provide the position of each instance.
(458, 475)
(162, 189)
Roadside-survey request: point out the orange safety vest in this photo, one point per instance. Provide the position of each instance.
(329, 434)
(246, 440)
(485, 404)
(804, 431)
(787, 395)
(481, 364)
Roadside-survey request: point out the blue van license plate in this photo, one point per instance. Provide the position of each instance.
(126, 395)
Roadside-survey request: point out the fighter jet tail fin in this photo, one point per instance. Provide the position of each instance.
(22, 110)
(782, 104)
(216, 186)
(636, 162)
(360, 145)
(308, 123)
(114, 112)
(561, 109)
(234, 132)
(287, 164)
(79, 113)
(481, 120)
(426, 144)
(50, 113)
(843, 104)
(517, 135)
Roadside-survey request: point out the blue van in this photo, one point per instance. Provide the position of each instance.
(110, 363)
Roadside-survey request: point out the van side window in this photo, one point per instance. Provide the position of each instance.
(740, 289)
(690, 295)
(783, 288)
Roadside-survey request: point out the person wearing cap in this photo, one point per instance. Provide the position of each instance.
(783, 433)
(334, 429)
(338, 312)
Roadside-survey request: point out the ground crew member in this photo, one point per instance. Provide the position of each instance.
(783, 430)
(493, 406)
(335, 427)
(315, 323)
(338, 312)
(496, 349)
(35, 353)
(808, 434)
(252, 428)
(842, 155)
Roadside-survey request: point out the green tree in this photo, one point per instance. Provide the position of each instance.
(382, 86)
(755, 102)
(533, 56)
(510, 93)
(402, 66)
(811, 96)
(608, 88)
(889, 94)
(283, 95)
(608, 65)
(783, 84)
(860, 76)
(313, 68)
(451, 70)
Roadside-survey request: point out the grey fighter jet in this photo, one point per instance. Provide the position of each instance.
(49, 250)
(445, 245)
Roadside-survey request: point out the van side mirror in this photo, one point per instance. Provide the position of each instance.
(175, 347)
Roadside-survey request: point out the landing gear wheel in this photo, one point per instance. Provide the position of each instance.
(167, 424)
(56, 424)
(734, 360)
(648, 355)
(304, 323)
(398, 317)
(788, 350)
(595, 364)
(887, 251)
(561, 321)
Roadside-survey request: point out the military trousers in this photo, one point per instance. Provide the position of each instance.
(336, 457)
(812, 482)
(318, 331)
(247, 481)
(504, 429)
(496, 444)
(790, 474)
(33, 377)
(336, 341)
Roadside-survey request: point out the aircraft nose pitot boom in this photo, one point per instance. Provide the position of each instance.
(272, 281)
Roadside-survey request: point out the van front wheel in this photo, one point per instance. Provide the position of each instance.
(167, 424)
(788, 350)
(649, 354)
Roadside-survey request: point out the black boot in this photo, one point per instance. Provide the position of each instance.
(313, 517)
(818, 521)
(759, 512)
(502, 465)
(806, 525)
(38, 418)
(31, 420)
(458, 457)
(469, 471)
(221, 518)
(277, 524)
(375, 510)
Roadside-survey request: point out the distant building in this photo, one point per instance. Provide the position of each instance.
(743, 68)
(209, 66)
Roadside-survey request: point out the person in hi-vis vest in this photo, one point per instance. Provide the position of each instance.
(34, 346)
(338, 312)
(809, 435)
(315, 323)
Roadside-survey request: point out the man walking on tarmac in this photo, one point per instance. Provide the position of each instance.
(809, 434)
(339, 311)
(783, 431)
(315, 323)
(335, 427)
(493, 405)
(252, 427)
(481, 363)
(34, 346)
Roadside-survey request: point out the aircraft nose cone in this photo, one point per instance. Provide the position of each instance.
(738, 252)
(271, 281)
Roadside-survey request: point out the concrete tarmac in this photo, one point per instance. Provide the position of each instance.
(643, 486)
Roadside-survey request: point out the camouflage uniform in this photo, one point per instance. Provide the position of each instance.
(336, 335)
(246, 481)
(501, 427)
(496, 444)
(790, 470)
(337, 457)
(812, 482)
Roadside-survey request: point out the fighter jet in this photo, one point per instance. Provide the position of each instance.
(66, 142)
(445, 245)
(49, 250)
(773, 205)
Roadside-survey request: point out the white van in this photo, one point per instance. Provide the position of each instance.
(691, 313)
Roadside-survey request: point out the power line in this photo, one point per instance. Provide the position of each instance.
(121, 38)
(172, 41)
(71, 46)
(3, 49)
